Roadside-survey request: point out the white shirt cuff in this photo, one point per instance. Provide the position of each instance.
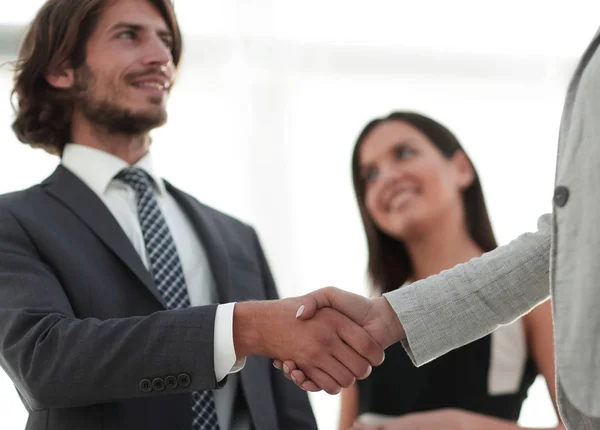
(226, 361)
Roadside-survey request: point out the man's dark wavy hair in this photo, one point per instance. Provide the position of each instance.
(58, 35)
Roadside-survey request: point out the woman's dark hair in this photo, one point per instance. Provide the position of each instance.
(389, 265)
(59, 35)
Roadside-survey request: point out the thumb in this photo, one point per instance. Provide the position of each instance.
(314, 301)
(308, 308)
(352, 305)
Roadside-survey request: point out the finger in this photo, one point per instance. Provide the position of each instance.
(298, 377)
(287, 367)
(361, 342)
(352, 305)
(337, 370)
(310, 304)
(286, 374)
(278, 364)
(353, 361)
(310, 386)
(314, 301)
(303, 382)
(324, 380)
(291, 365)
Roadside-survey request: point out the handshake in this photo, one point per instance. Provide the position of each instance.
(324, 340)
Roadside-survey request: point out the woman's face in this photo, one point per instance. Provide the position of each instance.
(409, 184)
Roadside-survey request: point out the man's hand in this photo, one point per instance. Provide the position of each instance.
(376, 316)
(330, 348)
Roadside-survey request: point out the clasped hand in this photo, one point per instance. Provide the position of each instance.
(364, 328)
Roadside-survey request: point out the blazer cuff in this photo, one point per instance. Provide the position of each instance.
(405, 303)
(226, 361)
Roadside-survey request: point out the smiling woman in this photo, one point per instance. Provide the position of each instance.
(410, 174)
(423, 211)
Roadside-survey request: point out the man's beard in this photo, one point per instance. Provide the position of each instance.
(107, 113)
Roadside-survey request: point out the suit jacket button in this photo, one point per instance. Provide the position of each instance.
(561, 196)
(184, 380)
(145, 385)
(171, 382)
(158, 384)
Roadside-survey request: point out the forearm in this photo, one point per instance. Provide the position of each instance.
(57, 359)
(463, 304)
(60, 361)
(348, 407)
(248, 318)
(477, 422)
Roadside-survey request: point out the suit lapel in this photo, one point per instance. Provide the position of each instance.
(209, 234)
(76, 196)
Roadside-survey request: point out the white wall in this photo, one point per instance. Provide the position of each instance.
(272, 95)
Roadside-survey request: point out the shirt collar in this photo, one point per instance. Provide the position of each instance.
(97, 168)
(146, 163)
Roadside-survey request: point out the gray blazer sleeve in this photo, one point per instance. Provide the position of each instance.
(58, 360)
(469, 301)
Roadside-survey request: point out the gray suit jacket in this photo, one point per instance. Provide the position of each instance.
(563, 257)
(82, 323)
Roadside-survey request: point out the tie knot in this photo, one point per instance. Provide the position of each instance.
(135, 178)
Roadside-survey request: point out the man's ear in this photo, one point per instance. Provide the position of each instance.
(60, 76)
(464, 169)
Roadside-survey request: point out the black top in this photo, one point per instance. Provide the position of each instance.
(458, 379)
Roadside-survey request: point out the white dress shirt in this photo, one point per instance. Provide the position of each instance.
(97, 170)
